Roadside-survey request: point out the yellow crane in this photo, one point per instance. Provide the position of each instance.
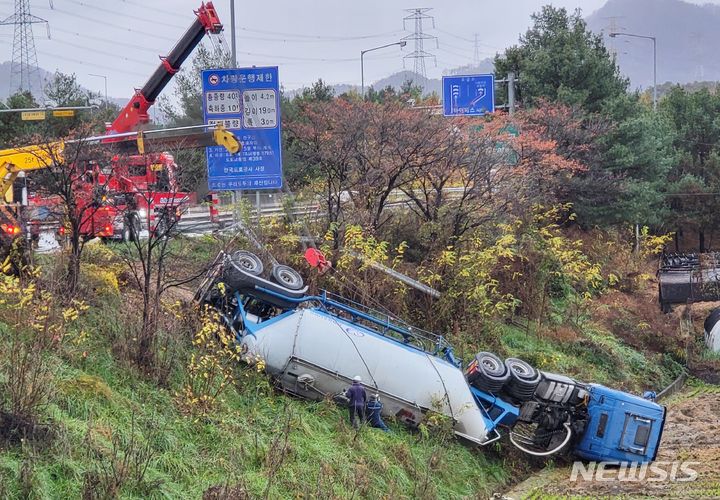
(13, 161)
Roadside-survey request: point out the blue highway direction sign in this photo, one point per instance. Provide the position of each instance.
(468, 95)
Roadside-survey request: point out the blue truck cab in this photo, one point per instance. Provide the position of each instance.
(621, 427)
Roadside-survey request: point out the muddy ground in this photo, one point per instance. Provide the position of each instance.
(692, 434)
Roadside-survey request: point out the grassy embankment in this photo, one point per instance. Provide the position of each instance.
(114, 424)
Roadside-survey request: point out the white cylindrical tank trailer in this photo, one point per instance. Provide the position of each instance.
(315, 354)
(712, 330)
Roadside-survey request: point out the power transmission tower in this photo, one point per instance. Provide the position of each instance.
(476, 53)
(24, 68)
(419, 37)
(613, 27)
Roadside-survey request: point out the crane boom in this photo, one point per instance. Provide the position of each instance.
(136, 111)
(36, 156)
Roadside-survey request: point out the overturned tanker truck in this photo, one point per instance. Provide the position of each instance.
(313, 345)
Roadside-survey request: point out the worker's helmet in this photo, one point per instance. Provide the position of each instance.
(374, 396)
(357, 378)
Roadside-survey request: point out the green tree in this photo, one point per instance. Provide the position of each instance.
(627, 179)
(695, 180)
(560, 59)
(13, 130)
(64, 90)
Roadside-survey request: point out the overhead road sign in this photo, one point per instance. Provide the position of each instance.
(59, 111)
(32, 115)
(63, 113)
(468, 95)
(247, 102)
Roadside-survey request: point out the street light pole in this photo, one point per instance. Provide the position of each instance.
(654, 41)
(636, 247)
(104, 78)
(233, 43)
(362, 63)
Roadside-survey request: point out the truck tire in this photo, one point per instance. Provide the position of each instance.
(287, 277)
(487, 372)
(248, 262)
(523, 379)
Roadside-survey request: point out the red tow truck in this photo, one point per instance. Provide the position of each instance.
(142, 190)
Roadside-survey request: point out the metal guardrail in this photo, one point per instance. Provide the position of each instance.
(674, 387)
(197, 219)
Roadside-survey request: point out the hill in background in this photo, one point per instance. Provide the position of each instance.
(687, 39)
(38, 82)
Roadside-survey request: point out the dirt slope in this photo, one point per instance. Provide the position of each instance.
(692, 433)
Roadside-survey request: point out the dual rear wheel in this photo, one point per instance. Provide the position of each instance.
(284, 275)
(514, 377)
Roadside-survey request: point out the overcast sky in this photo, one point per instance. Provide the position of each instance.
(310, 39)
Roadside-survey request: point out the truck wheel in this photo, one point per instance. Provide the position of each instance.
(523, 380)
(487, 372)
(287, 277)
(248, 262)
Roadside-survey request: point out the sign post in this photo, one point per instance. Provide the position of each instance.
(246, 101)
(468, 95)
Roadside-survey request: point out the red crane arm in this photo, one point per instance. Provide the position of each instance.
(136, 111)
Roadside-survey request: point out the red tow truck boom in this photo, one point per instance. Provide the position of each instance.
(137, 194)
(135, 112)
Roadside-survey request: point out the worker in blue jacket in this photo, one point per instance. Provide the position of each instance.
(356, 406)
(374, 407)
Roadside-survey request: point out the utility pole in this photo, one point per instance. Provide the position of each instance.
(24, 66)
(511, 93)
(233, 61)
(476, 52)
(654, 42)
(233, 43)
(636, 247)
(104, 77)
(419, 54)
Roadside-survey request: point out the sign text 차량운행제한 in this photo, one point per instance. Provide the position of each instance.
(247, 102)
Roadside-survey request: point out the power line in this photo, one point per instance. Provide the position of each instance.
(89, 65)
(104, 23)
(298, 40)
(464, 39)
(313, 59)
(145, 6)
(464, 49)
(319, 37)
(456, 54)
(476, 51)
(95, 50)
(105, 40)
(123, 14)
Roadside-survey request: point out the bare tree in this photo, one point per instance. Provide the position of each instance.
(150, 252)
(74, 184)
